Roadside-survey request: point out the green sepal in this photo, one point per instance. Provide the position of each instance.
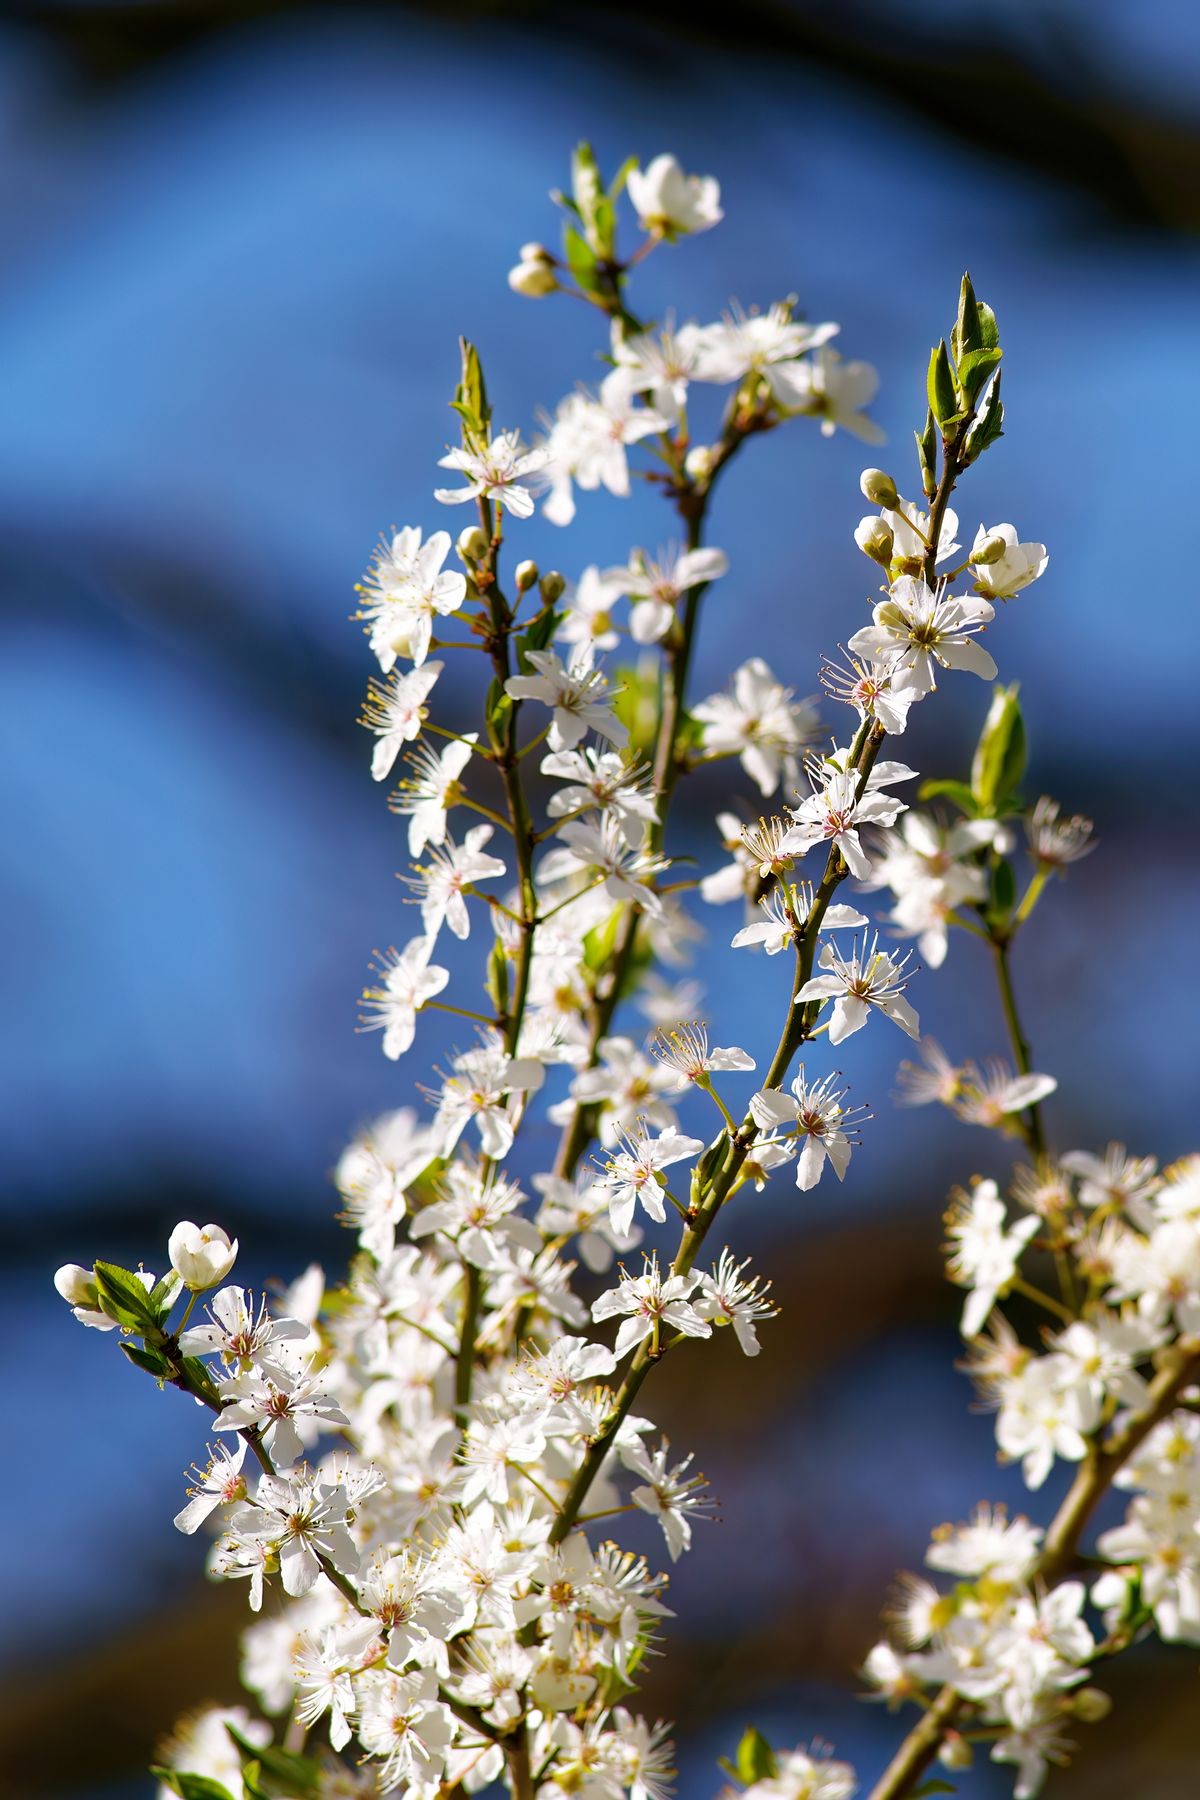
(279, 1773)
(755, 1757)
(940, 388)
(123, 1297)
(957, 792)
(191, 1787)
(152, 1361)
(1000, 755)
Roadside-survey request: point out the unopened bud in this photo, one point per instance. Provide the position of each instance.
(955, 1752)
(698, 462)
(552, 586)
(990, 551)
(525, 574)
(534, 275)
(76, 1285)
(472, 545)
(1091, 1705)
(875, 539)
(879, 488)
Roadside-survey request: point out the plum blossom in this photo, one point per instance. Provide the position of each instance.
(867, 980)
(984, 1254)
(919, 629)
(635, 1172)
(1001, 565)
(670, 203)
(500, 473)
(408, 981)
(759, 722)
(395, 711)
(404, 590)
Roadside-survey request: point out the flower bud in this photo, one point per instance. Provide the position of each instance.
(552, 586)
(879, 488)
(472, 544)
(201, 1257)
(525, 574)
(698, 462)
(1091, 1705)
(955, 1752)
(990, 551)
(875, 539)
(534, 275)
(76, 1285)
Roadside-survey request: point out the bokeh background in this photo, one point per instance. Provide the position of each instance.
(237, 244)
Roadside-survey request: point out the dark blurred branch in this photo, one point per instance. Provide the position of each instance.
(1068, 113)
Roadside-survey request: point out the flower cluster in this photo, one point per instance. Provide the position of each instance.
(415, 1469)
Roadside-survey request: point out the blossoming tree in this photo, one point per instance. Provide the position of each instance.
(420, 1473)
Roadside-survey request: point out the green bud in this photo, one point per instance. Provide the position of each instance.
(968, 333)
(990, 551)
(1000, 755)
(472, 545)
(879, 488)
(552, 586)
(525, 574)
(927, 456)
(1091, 1705)
(876, 539)
(955, 1752)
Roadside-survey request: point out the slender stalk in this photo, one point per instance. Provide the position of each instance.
(464, 1362)
(1020, 1043)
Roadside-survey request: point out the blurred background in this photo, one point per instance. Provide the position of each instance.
(238, 243)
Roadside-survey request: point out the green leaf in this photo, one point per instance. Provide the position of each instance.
(496, 979)
(164, 1294)
(537, 634)
(496, 709)
(1004, 892)
(616, 186)
(152, 1361)
(755, 1757)
(988, 426)
(940, 388)
(191, 1787)
(197, 1373)
(989, 331)
(955, 791)
(581, 260)
(974, 370)
(123, 1297)
(470, 397)
(282, 1773)
(1000, 755)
